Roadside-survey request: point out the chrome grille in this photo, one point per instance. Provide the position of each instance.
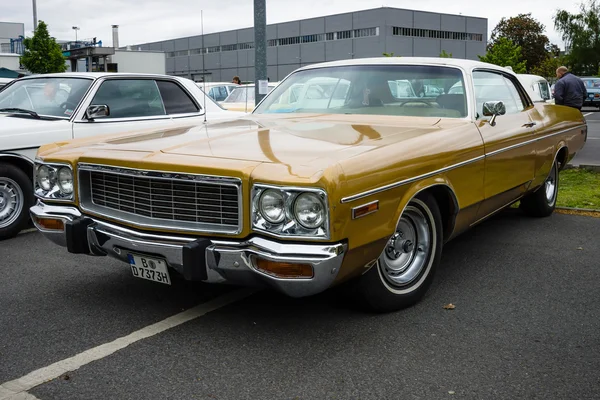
(171, 200)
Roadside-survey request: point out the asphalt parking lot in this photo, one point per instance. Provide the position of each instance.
(525, 325)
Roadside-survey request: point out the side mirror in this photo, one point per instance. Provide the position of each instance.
(493, 109)
(97, 111)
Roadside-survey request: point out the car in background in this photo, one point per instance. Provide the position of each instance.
(4, 82)
(592, 85)
(537, 87)
(218, 91)
(242, 98)
(363, 188)
(40, 109)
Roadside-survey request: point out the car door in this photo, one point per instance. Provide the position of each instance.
(136, 104)
(510, 155)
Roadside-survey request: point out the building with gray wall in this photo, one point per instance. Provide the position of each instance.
(10, 30)
(290, 45)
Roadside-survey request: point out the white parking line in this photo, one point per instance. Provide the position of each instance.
(18, 387)
(590, 113)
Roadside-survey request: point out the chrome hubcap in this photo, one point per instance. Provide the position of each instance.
(407, 251)
(11, 201)
(550, 186)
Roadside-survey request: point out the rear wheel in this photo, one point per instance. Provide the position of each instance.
(542, 202)
(405, 268)
(16, 196)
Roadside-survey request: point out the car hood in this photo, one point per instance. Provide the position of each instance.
(15, 129)
(308, 143)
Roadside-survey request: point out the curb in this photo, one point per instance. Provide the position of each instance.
(589, 210)
(587, 167)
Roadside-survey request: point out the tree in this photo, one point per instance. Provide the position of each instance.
(505, 54)
(581, 33)
(389, 55)
(548, 67)
(42, 55)
(526, 32)
(443, 54)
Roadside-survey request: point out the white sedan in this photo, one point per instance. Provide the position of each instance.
(41, 109)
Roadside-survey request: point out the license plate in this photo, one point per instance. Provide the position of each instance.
(152, 269)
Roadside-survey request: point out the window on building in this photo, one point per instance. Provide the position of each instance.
(213, 49)
(229, 47)
(245, 46)
(365, 32)
(344, 35)
(196, 51)
(434, 34)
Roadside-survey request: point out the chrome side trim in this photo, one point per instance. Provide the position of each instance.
(146, 222)
(450, 167)
(515, 146)
(410, 180)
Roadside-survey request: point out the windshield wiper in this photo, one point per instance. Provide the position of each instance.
(21, 110)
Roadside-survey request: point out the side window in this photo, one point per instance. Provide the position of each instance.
(176, 100)
(515, 94)
(545, 91)
(130, 98)
(491, 86)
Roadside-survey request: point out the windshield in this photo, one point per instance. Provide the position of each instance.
(369, 89)
(56, 97)
(241, 94)
(592, 83)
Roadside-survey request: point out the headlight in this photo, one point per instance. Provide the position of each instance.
(65, 180)
(272, 206)
(290, 211)
(53, 181)
(309, 210)
(45, 178)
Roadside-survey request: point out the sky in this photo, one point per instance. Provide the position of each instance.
(143, 21)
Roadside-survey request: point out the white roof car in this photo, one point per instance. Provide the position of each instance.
(48, 108)
(242, 97)
(537, 87)
(218, 91)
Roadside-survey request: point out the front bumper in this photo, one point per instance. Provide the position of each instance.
(201, 259)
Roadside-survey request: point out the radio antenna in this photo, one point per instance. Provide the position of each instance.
(203, 56)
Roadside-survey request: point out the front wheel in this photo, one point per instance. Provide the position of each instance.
(16, 195)
(405, 268)
(542, 202)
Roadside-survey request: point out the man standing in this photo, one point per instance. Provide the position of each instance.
(569, 90)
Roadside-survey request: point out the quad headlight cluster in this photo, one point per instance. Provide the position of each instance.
(293, 212)
(53, 181)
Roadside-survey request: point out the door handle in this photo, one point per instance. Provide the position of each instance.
(529, 125)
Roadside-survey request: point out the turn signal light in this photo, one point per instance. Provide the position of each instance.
(50, 224)
(285, 270)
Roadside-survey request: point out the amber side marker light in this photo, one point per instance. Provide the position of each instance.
(50, 224)
(365, 209)
(284, 270)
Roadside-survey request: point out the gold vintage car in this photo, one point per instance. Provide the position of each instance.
(363, 188)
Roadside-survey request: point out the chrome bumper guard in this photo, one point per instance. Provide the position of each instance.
(202, 259)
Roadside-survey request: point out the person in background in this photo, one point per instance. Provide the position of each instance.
(236, 80)
(569, 90)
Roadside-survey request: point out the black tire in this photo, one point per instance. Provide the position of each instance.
(13, 181)
(380, 290)
(542, 202)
